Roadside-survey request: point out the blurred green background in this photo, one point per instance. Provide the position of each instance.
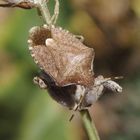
(112, 28)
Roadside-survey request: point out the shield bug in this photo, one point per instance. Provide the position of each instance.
(67, 66)
(64, 59)
(62, 56)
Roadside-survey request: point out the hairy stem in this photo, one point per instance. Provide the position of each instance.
(42, 6)
(89, 125)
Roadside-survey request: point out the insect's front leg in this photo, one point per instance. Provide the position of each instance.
(38, 81)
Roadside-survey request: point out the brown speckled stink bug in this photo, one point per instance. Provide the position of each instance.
(67, 66)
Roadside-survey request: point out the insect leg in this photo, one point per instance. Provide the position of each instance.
(77, 106)
(38, 81)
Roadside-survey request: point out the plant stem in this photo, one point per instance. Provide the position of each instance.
(44, 11)
(89, 125)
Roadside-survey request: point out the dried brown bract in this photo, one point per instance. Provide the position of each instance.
(26, 4)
